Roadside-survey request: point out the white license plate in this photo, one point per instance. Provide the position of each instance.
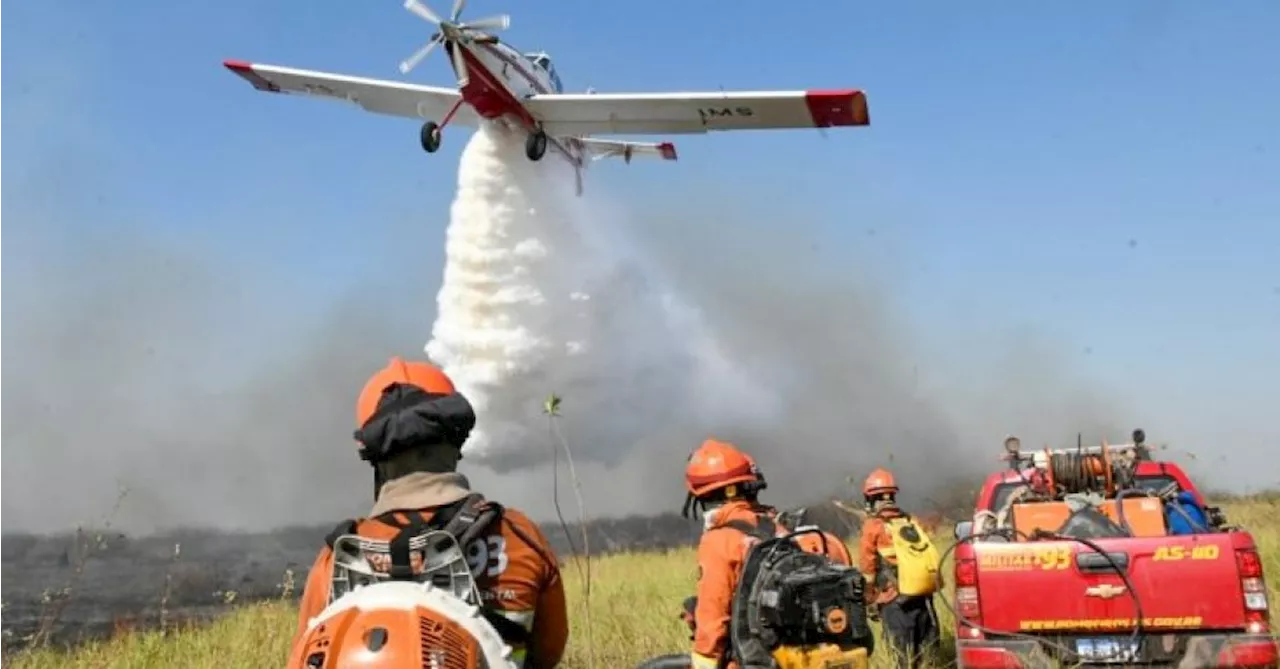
(1107, 649)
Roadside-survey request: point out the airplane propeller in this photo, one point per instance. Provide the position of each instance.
(450, 31)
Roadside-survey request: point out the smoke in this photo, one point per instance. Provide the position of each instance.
(656, 341)
(198, 378)
(536, 299)
(198, 381)
(121, 372)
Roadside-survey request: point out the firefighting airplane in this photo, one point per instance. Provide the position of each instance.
(497, 82)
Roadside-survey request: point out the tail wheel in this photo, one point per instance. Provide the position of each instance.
(430, 136)
(536, 145)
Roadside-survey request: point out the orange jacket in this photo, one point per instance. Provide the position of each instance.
(721, 552)
(874, 546)
(520, 580)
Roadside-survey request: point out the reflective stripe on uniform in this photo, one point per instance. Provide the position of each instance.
(521, 618)
(703, 662)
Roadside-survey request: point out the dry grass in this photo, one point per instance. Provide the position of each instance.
(634, 607)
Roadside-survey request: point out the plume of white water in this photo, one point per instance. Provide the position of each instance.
(537, 299)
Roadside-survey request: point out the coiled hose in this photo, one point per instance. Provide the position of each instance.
(1009, 534)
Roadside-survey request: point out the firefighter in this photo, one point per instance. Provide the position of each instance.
(908, 621)
(412, 424)
(723, 482)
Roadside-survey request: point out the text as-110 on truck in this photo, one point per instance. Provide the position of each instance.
(1101, 555)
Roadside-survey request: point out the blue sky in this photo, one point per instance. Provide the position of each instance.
(1095, 171)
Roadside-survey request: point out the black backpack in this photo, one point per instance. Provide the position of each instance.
(787, 596)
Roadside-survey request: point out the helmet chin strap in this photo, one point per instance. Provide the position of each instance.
(689, 509)
(696, 508)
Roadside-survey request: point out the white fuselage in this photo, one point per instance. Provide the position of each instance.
(521, 74)
(500, 79)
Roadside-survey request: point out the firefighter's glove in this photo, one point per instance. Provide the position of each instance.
(686, 614)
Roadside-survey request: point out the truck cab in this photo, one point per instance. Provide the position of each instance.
(1079, 556)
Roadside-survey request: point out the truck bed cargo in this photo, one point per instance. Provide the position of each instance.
(1060, 575)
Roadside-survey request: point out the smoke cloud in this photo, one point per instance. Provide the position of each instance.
(536, 299)
(148, 363)
(661, 331)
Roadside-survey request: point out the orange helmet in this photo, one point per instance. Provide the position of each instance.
(717, 464)
(396, 625)
(409, 404)
(879, 482)
(424, 375)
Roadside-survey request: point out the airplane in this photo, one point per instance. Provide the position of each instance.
(497, 82)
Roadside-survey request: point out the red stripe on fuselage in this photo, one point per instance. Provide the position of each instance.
(493, 99)
(488, 95)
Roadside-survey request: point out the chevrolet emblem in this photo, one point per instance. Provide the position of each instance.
(1105, 591)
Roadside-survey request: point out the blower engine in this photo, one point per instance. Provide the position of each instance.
(430, 617)
(400, 624)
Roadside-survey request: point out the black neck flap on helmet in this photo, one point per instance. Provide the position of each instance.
(409, 417)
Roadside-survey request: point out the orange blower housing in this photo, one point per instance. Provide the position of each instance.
(400, 625)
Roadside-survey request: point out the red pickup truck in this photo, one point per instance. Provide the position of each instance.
(1044, 580)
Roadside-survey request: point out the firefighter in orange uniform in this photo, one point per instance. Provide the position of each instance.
(724, 483)
(412, 424)
(909, 622)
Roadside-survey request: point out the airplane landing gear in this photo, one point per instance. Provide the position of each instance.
(430, 136)
(431, 131)
(536, 145)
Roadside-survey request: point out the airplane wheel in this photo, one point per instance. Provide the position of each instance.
(536, 145)
(430, 136)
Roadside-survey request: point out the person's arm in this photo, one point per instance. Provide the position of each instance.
(535, 570)
(550, 633)
(867, 553)
(716, 572)
(315, 594)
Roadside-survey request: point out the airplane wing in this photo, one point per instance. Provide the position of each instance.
(608, 148)
(375, 95)
(668, 113)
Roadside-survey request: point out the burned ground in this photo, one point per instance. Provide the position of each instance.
(71, 587)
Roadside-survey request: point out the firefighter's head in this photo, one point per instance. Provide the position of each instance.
(410, 418)
(718, 472)
(880, 488)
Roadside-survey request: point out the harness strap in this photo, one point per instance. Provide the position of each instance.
(511, 631)
(465, 519)
(763, 529)
(345, 527)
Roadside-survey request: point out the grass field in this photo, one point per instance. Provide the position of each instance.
(634, 604)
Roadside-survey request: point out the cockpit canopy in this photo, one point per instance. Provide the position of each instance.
(542, 60)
